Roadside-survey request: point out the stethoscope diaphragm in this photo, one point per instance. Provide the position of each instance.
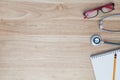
(96, 40)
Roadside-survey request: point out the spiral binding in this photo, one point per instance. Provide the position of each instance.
(99, 55)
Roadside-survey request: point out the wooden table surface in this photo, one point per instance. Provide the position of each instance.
(49, 39)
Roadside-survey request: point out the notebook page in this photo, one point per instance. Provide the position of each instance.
(118, 66)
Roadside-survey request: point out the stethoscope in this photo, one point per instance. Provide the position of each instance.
(96, 40)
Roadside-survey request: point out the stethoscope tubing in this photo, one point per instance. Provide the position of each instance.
(112, 43)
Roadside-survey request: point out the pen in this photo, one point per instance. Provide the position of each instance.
(114, 67)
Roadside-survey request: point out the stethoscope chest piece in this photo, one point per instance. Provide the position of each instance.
(96, 40)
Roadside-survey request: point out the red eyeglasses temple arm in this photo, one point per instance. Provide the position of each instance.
(109, 7)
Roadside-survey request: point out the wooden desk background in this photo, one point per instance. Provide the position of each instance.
(49, 40)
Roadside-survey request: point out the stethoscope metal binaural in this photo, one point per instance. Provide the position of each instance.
(102, 20)
(96, 40)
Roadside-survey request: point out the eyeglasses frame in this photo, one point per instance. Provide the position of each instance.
(99, 8)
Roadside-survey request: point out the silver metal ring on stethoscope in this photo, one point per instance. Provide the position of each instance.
(96, 40)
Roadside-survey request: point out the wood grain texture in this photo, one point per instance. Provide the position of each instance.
(65, 1)
(49, 39)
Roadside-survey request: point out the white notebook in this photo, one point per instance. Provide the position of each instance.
(106, 66)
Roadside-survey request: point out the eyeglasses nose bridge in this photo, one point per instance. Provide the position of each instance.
(101, 9)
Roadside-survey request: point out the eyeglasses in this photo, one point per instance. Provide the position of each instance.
(94, 12)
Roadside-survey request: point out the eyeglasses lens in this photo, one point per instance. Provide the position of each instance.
(90, 14)
(108, 8)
